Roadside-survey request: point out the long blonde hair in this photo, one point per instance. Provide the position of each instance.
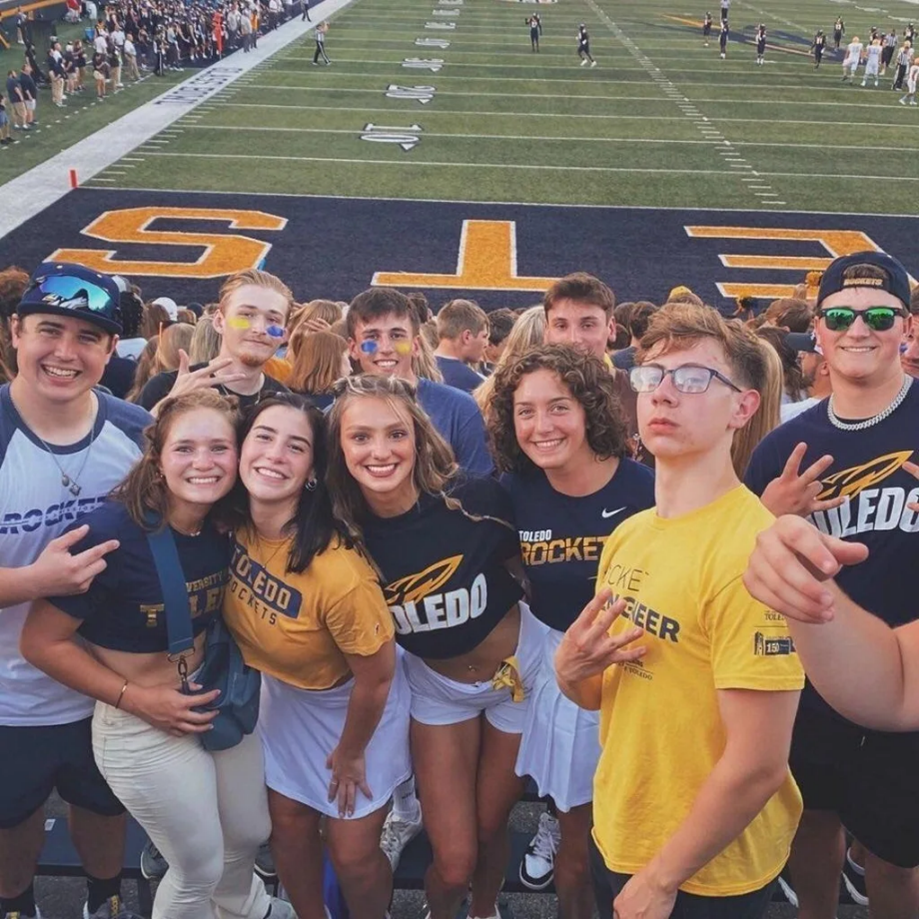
(529, 332)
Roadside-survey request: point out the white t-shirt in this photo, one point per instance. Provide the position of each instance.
(100, 44)
(118, 38)
(36, 508)
(130, 51)
(789, 410)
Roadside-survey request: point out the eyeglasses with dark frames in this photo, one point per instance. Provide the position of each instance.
(687, 378)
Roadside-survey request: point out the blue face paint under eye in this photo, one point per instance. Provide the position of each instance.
(275, 331)
(369, 347)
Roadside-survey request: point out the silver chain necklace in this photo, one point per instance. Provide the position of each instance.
(69, 481)
(874, 419)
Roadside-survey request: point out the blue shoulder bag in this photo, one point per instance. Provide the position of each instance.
(223, 667)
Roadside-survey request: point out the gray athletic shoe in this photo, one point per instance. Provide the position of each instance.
(152, 863)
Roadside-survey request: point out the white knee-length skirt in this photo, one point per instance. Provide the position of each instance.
(299, 728)
(560, 747)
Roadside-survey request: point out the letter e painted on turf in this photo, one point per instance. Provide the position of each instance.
(223, 254)
(487, 261)
(836, 243)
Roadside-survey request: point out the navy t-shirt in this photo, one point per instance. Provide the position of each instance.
(457, 418)
(123, 608)
(867, 466)
(459, 375)
(562, 537)
(444, 576)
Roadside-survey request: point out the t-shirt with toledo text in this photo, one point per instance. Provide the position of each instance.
(298, 626)
(443, 568)
(562, 537)
(660, 724)
(868, 469)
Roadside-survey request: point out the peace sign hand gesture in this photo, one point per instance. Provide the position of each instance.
(796, 492)
(588, 649)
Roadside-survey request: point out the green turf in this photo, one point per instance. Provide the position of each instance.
(509, 125)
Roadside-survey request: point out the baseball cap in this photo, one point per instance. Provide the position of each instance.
(171, 307)
(896, 281)
(62, 289)
(803, 342)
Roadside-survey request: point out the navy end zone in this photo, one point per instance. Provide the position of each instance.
(182, 244)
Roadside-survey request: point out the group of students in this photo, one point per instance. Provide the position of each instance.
(444, 602)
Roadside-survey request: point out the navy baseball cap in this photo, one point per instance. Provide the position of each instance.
(62, 289)
(896, 280)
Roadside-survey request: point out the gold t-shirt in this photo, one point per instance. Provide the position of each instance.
(298, 627)
(660, 725)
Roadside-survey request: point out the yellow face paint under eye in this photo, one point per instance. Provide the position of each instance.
(402, 347)
(239, 322)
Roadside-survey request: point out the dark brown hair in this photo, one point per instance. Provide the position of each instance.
(143, 491)
(589, 382)
(377, 302)
(790, 313)
(582, 287)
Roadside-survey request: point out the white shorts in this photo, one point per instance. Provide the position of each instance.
(437, 699)
(300, 728)
(871, 69)
(560, 747)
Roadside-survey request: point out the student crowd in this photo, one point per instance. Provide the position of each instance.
(591, 546)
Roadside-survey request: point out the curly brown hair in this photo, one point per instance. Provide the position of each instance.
(588, 380)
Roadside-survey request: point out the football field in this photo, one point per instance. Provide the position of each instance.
(445, 100)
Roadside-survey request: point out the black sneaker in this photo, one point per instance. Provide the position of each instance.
(264, 863)
(152, 864)
(853, 876)
(537, 867)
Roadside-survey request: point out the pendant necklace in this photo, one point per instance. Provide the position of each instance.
(68, 481)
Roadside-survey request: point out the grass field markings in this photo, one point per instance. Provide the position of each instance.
(524, 137)
(330, 108)
(537, 167)
(659, 77)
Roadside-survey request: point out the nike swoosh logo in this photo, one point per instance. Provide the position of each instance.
(606, 514)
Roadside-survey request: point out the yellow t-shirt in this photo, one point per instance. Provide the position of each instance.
(660, 725)
(298, 627)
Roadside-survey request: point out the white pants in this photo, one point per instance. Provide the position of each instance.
(206, 812)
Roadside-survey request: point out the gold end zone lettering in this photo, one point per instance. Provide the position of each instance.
(487, 261)
(836, 242)
(223, 253)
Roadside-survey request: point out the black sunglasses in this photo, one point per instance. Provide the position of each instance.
(688, 378)
(877, 318)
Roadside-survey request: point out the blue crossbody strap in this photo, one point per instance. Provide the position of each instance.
(175, 596)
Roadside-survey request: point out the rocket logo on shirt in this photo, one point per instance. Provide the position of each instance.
(876, 508)
(417, 605)
(851, 481)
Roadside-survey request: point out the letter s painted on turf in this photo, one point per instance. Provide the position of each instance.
(223, 254)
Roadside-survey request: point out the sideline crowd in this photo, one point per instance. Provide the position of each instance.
(588, 545)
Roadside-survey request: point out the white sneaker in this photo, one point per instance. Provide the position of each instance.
(584, 62)
(537, 867)
(593, 63)
(397, 834)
